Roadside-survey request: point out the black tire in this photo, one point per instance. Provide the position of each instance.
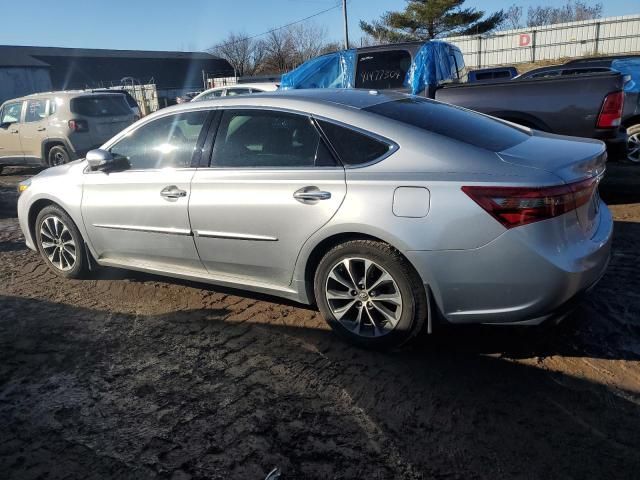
(633, 133)
(414, 310)
(57, 262)
(58, 155)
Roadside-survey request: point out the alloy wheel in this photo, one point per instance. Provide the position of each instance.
(58, 158)
(363, 297)
(633, 147)
(58, 243)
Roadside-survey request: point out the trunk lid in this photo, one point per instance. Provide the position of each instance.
(571, 159)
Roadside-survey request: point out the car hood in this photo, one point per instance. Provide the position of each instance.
(570, 158)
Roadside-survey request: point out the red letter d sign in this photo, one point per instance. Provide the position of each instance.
(525, 39)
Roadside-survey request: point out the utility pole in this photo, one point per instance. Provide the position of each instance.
(346, 25)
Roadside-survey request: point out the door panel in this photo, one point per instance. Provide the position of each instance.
(128, 219)
(247, 223)
(34, 129)
(140, 215)
(272, 185)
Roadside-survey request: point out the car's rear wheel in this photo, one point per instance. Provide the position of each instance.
(370, 295)
(60, 243)
(58, 155)
(633, 143)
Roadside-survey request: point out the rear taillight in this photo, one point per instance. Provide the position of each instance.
(78, 126)
(611, 112)
(515, 206)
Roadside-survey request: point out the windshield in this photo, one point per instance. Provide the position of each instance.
(100, 106)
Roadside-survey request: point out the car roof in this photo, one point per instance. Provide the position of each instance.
(63, 93)
(300, 99)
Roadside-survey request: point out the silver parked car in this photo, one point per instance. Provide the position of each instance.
(386, 210)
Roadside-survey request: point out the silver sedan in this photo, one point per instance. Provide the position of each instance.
(387, 211)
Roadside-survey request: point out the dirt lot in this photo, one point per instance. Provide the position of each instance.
(133, 376)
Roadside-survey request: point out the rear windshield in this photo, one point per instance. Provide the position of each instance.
(100, 106)
(383, 70)
(452, 122)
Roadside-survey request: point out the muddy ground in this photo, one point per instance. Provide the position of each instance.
(133, 376)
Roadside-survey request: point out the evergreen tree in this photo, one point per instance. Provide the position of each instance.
(428, 19)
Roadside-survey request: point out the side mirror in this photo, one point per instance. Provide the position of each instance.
(100, 159)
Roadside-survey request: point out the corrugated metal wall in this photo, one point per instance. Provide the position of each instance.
(604, 36)
(18, 81)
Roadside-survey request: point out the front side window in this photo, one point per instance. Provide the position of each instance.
(354, 148)
(263, 139)
(383, 70)
(36, 110)
(11, 112)
(168, 142)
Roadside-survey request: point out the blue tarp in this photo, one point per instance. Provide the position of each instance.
(334, 70)
(432, 65)
(629, 66)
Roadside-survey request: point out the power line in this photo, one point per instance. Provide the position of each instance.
(337, 5)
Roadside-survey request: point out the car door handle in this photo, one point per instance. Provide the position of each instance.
(42, 129)
(172, 192)
(14, 131)
(311, 194)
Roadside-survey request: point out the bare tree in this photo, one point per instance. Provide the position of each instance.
(572, 11)
(278, 51)
(513, 17)
(244, 54)
(307, 41)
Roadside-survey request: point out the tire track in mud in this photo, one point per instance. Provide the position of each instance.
(128, 375)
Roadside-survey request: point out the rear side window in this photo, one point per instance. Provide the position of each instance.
(36, 110)
(353, 148)
(461, 70)
(453, 122)
(265, 139)
(100, 106)
(383, 70)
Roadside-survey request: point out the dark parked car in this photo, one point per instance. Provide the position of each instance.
(582, 105)
(497, 74)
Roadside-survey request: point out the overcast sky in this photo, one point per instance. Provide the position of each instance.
(195, 24)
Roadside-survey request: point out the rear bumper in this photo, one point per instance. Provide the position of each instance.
(526, 276)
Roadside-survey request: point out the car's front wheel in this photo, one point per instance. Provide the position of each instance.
(370, 295)
(60, 243)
